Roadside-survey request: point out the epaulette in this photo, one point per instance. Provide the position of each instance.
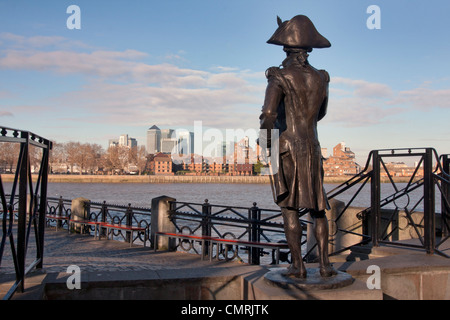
(272, 71)
(326, 74)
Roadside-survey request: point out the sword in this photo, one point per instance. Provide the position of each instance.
(272, 184)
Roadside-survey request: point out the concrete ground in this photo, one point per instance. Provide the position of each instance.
(113, 270)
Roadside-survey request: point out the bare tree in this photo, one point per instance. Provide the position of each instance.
(72, 150)
(9, 154)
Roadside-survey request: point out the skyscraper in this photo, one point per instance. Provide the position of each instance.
(185, 142)
(153, 140)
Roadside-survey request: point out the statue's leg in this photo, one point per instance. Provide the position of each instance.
(321, 234)
(293, 232)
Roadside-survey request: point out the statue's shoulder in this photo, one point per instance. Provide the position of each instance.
(325, 74)
(273, 72)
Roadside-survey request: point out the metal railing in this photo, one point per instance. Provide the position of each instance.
(113, 214)
(30, 207)
(378, 227)
(430, 171)
(251, 224)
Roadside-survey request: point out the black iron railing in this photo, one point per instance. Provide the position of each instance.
(430, 178)
(30, 206)
(114, 214)
(244, 223)
(378, 224)
(430, 171)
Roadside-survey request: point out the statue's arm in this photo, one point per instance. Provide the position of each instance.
(324, 106)
(274, 95)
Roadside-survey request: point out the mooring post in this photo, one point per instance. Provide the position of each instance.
(161, 222)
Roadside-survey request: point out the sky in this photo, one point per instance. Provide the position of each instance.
(134, 64)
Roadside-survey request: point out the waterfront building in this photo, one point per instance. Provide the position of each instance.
(185, 142)
(342, 162)
(161, 164)
(169, 145)
(400, 169)
(124, 141)
(113, 143)
(153, 140)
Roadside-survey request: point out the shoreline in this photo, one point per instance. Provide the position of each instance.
(57, 178)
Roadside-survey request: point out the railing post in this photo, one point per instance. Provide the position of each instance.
(445, 195)
(254, 234)
(104, 211)
(206, 225)
(60, 211)
(429, 202)
(22, 170)
(43, 205)
(375, 198)
(129, 220)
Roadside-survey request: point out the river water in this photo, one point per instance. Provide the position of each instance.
(241, 195)
(234, 195)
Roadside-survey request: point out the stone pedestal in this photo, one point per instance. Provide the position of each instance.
(313, 281)
(160, 222)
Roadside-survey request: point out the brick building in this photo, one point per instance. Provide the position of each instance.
(400, 169)
(341, 163)
(161, 164)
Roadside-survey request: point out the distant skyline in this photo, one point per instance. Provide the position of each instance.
(134, 64)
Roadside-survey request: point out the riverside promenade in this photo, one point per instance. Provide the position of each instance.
(111, 270)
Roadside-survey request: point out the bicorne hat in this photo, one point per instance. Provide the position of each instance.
(299, 32)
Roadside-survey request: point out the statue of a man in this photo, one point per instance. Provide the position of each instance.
(296, 99)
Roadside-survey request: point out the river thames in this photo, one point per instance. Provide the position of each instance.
(241, 195)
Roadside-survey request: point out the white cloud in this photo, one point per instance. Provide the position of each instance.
(363, 88)
(5, 114)
(424, 98)
(121, 87)
(356, 102)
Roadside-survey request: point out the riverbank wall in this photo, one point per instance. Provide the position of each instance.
(60, 178)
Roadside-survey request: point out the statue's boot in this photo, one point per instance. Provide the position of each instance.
(293, 232)
(295, 272)
(321, 234)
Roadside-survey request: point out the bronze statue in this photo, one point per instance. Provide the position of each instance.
(296, 99)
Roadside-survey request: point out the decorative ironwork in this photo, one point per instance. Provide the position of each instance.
(379, 228)
(31, 205)
(379, 223)
(252, 224)
(103, 212)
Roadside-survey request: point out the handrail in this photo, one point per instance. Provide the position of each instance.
(31, 206)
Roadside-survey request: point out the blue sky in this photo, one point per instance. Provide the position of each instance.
(170, 63)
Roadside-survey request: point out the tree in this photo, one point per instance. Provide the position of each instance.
(9, 154)
(72, 150)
